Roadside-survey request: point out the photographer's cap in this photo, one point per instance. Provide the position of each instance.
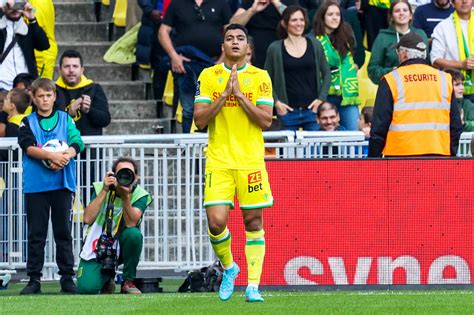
(412, 41)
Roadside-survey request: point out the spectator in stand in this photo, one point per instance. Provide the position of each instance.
(328, 118)
(338, 43)
(374, 16)
(427, 16)
(18, 40)
(15, 105)
(415, 112)
(453, 44)
(45, 60)
(23, 81)
(149, 50)
(384, 56)
(299, 72)
(80, 97)
(365, 120)
(261, 18)
(199, 27)
(465, 105)
(250, 55)
(350, 15)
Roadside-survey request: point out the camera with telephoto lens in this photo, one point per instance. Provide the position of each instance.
(125, 177)
(106, 254)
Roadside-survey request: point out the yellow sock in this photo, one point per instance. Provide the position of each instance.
(221, 245)
(255, 252)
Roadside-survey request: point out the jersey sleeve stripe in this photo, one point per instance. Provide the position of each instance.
(202, 99)
(265, 101)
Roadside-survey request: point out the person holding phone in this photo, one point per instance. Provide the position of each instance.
(20, 35)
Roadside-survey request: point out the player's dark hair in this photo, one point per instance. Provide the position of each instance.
(70, 54)
(20, 98)
(324, 107)
(127, 160)
(236, 26)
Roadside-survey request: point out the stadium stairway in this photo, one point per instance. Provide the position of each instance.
(128, 89)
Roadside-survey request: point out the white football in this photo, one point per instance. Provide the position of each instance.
(54, 145)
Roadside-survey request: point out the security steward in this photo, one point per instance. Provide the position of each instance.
(415, 113)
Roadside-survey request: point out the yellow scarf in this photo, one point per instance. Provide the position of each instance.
(16, 119)
(466, 48)
(84, 82)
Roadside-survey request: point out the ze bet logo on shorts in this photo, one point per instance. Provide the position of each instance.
(253, 179)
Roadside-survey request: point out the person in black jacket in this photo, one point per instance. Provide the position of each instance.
(84, 100)
(27, 37)
(149, 50)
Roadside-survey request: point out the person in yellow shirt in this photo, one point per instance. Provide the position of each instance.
(45, 59)
(234, 99)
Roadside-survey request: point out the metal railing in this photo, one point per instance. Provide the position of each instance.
(171, 168)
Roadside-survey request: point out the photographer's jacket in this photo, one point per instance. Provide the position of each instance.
(98, 117)
(93, 231)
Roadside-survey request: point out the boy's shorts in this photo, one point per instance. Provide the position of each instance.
(252, 188)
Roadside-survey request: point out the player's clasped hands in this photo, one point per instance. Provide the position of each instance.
(233, 86)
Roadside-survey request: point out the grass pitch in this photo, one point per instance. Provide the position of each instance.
(276, 302)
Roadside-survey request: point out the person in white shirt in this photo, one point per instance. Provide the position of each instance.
(453, 44)
(18, 40)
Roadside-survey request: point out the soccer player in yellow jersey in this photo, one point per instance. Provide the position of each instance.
(234, 99)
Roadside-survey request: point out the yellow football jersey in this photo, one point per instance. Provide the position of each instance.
(234, 141)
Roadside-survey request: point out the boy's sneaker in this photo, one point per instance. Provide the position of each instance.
(252, 295)
(33, 287)
(67, 285)
(227, 285)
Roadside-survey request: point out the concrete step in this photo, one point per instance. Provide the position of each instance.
(75, 12)
(92, 52)
(129, 90)
(136, 109)
(104, 13)
(105, 72)
(82, 32)
(69, 1)
(138, 126)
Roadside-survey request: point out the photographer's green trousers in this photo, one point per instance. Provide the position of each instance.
(90, 280)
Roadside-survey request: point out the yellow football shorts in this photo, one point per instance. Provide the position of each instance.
(252, 188)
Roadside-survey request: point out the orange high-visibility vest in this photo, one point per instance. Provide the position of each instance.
(421, 111)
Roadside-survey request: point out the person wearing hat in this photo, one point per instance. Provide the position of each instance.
(415, 112)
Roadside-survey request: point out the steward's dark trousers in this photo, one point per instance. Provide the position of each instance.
(38, 206)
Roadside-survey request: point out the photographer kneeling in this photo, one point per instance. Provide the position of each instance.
(111, 233)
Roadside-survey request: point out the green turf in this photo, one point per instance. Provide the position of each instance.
(281, 302)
